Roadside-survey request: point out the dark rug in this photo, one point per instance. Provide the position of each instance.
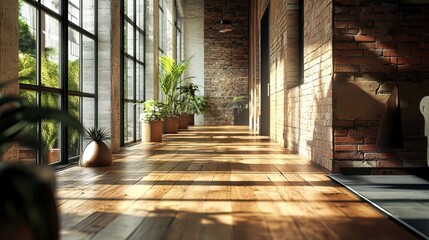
(405, 198)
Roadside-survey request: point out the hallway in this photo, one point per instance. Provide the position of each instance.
(213, 182)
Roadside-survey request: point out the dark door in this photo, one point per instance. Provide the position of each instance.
(264, 127)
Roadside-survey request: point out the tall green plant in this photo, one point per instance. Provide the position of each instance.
(169, 79)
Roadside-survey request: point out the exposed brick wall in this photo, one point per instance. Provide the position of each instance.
(375, 48)
(301, 111)
(226, 58)
(315, 93)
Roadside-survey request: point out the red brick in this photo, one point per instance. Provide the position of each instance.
(340, 24)
(349, 155)
(349, 140)
(341, 45)
(341, 60)
(364, 45)
(391, 53)
(346, 68)
(374, 156)
(388, 164)
(370, 140)
(365, 148)
(340, 132)
(364, 38)
(409, 60)
(353, 132)
(342, 38)
(368, 132)
(345, 148)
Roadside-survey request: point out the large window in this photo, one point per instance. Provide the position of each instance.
(58, 69)
(133, 56)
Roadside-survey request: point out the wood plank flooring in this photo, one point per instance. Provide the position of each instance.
(215, 183)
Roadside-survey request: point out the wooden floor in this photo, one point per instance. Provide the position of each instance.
(213, 183)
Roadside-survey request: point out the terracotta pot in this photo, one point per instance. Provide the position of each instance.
(171, 125)
(183, 121)
(191, 119)
(54, 155)
(152, 131)
(96, 154)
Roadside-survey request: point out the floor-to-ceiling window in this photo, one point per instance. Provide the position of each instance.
(58, 69)
(178, 26)
(133, 62)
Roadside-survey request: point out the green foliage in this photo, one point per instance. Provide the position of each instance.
(50, 78)
(153, 110)
(240, 103)
(16, 115)
(169, 80)
(190, 103)
(201, 105)
(27, 41)
(97, 134)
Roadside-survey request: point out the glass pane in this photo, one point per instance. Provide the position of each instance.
(138, 125)
(74, 12)
(88, 65)
(27, 64)
(140, 82)
(74, 146)
(50, 50)
(88, 15)
(129, 80)
(28, 154)
(54, 5)
(51, 137)
(129, 48)
(129, 8)
(129, 122)
(140, 46)
(51, 129)
(140, 8)
(74, 60)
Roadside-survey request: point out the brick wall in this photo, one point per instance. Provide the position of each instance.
(226, 58)
(375, 48)
(315, 93)
(301, 110)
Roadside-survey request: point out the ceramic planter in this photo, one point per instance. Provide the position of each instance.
(183, 121)
(152, 131)
(96, 154)
(171, 125)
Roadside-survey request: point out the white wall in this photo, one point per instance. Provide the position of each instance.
(193, 24)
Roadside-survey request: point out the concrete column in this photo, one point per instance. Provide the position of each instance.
(9, 57)
(193, 33)
(109, 78)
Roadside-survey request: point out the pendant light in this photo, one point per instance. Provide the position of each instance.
(226, 24)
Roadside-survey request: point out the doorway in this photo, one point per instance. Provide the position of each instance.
(264, 127)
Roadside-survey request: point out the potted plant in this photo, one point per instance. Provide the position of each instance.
(96, 152)
(187, 103)
(29, 209)
(169, 78)
(153, 113)
(200, 106)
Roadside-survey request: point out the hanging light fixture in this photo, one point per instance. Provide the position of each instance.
(226, 24)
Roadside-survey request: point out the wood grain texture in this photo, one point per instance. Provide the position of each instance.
(215, 183)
